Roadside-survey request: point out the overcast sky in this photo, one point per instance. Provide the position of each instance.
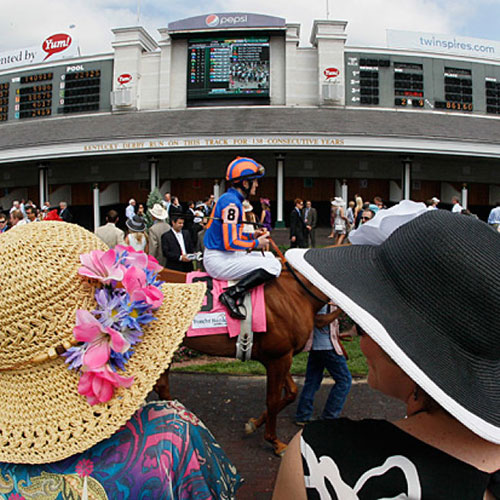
(25, 23)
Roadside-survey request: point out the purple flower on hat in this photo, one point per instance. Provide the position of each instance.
(109, 312)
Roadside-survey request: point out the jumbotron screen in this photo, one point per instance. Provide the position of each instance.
(235, 67)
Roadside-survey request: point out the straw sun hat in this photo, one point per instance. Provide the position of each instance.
(429, 295)
(43, 418)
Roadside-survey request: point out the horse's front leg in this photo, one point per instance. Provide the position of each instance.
(254, 423)
(291, 392)
(162, 386)
(278, 379)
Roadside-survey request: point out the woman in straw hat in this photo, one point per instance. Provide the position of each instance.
(136, 236)
(89, 334)
(439, 354)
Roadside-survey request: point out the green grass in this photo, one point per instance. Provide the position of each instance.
(356, 363)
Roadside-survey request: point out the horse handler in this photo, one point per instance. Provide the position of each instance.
(227, 247)
(325, 352)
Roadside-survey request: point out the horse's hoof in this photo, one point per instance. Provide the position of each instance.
(250, 427)
(279, 449)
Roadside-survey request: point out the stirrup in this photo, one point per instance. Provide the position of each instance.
(235, 312)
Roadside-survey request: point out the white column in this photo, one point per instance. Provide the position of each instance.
(406, 178)
(43, 184)
(465, 195)
(280, 160)
(345, 192)
(153, 172)
(96, 207)
(216, 190)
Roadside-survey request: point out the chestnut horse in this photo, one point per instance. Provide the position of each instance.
(290, 313)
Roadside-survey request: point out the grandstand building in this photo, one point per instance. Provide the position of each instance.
(416, 119)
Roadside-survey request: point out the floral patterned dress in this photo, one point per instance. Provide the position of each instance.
(162, 452)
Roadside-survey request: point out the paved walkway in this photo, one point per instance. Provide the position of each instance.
(225, 402)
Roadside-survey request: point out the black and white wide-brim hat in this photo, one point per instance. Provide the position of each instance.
(429, 295)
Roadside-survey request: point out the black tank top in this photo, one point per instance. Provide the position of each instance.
(370, 459)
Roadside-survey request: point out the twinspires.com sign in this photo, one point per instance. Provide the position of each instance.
(448, 44)
(56, 46)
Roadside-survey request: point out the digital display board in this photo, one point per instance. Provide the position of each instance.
(235, 67)
(58, 90)
(4, 101)
(80, 91)
(415, 83)
(34, 96)
(457, 90)
(409, 85)
(492, 90)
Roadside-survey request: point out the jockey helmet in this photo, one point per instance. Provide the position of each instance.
(242, 169)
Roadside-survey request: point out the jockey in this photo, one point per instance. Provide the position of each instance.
(227, 248)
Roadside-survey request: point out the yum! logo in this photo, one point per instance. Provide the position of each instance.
(124, 78)
(56, 43)
(331, 73)
(214, 20)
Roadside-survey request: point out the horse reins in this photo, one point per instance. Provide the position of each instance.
(294, 274)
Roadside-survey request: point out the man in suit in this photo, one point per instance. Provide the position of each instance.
(64, 213)
(109, 233)
(156, 231)
(176, 245)
(297, 226)
(310, 219)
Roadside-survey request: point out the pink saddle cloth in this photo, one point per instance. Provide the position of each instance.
(214, 318)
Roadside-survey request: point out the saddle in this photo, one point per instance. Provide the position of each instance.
(214, 319)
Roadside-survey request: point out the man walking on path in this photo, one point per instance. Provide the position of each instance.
(310, 219)
(325, 352)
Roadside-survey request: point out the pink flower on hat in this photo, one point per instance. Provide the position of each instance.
(98, 386)
(150, 295)
(101, 265)
(100, 340)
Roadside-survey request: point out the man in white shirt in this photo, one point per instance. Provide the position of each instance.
(177, 245)
(494, 217)
(130, 210)
(456, 208)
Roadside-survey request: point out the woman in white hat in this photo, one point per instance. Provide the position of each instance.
(88, 335)
(438, 353)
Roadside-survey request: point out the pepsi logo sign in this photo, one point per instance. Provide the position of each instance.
(212, 20)
(331, 73)
(124, 78)
(55, 43)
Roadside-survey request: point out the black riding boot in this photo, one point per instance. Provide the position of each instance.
(233, 296)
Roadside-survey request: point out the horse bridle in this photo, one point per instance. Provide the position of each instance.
(294, 274)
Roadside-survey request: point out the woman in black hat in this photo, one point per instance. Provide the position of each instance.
(136, 236)
(439, 353)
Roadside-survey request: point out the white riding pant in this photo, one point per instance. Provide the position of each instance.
(235, 265)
